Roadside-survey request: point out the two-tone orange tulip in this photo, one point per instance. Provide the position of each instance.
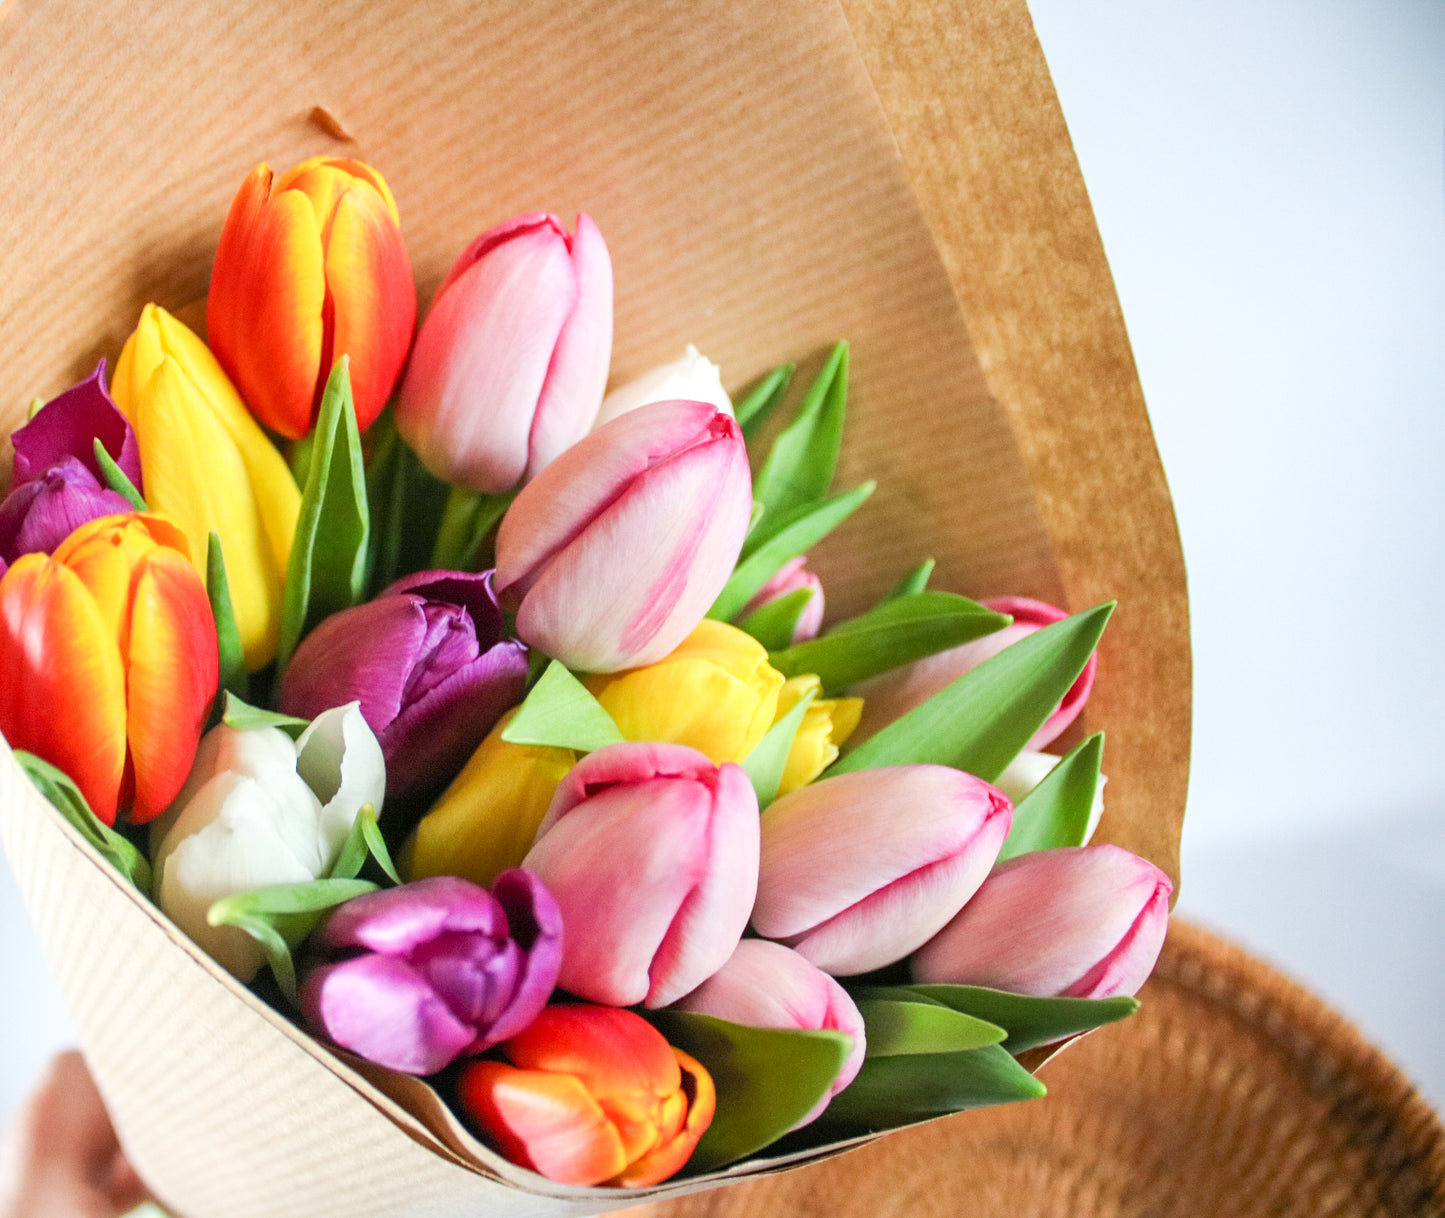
(108, 651)
(592, 1095)
(310, 267)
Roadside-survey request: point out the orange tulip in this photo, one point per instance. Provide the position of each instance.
(108, 650)
(311, 267)
(593, 1095)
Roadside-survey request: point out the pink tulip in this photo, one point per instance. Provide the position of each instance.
(892, 696)
(1086, 922)
(791, 577)
(652, 853)
(614, 553)
(859, 870)
(509, 367)
(767, 985)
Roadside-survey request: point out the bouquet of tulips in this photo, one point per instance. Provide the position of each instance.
(488, 724)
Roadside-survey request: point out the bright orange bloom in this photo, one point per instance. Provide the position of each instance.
(108, 650)
(594, 1095)
(311, 267)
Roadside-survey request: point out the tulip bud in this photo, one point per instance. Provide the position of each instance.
(591, 1095)
(654, 850)
(1028, 769)
(38, 515)
(715, 692)
(311, 267)
(693, 378)
(793, 577)
(210, 466)
(258, 809)
(767, 985)
(859, 870)
(109, 653)
(416, 976)
(616, 551)
(511, 362)
(1086, 922)
(894, 694)
(826, 725)
(428, 663)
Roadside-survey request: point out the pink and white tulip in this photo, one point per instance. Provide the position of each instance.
(510, 365)
(859, 870)
(618, 549)
(1080, 923)
(693, 378)
(893, 695)
(652, 851)
(793, 576)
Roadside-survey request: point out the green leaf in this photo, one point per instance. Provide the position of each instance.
(762, 399)
(468, 518)
(914, 582)
(793, 534)
(36, 406)
(243, 716)
(981, 721)
(327, 571)
(898, 1027)
(228, 636)
(65, 796)
(272, 942)
(764, 766)
(115, 477)
(767, 1079)
(892, 1091)
(773, 624)
(799, 468)
(1056, 812)
(364, 841)
(892, 633)
(1030, 1021)
(561, 713)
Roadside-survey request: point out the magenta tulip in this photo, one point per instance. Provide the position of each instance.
(1086, 922)
(510, 365)
(615, 552)
(419, 975)
(652, 854)
(859, 870)
(793, 576)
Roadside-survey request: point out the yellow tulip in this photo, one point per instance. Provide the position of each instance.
(486, 820)
(207, 463)
(716, 693)
(827, 723)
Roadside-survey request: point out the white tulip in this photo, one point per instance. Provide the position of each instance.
(693, 378)
(1027, 770)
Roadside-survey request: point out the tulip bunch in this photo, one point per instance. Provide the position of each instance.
(682, 871)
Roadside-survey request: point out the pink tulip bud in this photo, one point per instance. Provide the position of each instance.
(859, 870)
(893, 695)
(615, 552)
(791, 577)
(1086, 922)
(509, 367)
(652, 852)
(767, 985)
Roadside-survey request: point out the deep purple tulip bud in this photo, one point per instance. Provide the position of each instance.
(422, 974)
(69, 425)
(427, 661)
(38, 515)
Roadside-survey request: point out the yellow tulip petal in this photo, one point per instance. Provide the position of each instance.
(827, 723)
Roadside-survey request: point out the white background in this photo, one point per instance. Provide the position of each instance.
(1267, 176)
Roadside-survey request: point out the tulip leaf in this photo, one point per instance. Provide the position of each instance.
(327, 570)
(1056, 812)
(899, 1027)
(893, 633)
(364, 841)
(560, 712)
(765, 765)
(1030, 1021)
(767, 1079)
(228, 636)
(789, 536)
(36, 406)
(467, 519)
(243, 716)
(914, 582)
(773, 624)
(800, 466)
(902, 1089)
(66, 797)
(762, 399)
(115, 477)
(981, 721)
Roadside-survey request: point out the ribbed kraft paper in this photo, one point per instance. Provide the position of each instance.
(771, 175)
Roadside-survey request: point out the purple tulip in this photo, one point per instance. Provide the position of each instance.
(427, 661)
(421, 974)
(38, 515)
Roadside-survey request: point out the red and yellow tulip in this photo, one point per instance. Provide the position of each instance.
(310, 267)
(109, 653)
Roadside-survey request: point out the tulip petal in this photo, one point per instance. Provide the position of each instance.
(38, 515)
(396, 920)
(671, 1155)
(536, 926)
(68, 426)
(341, 761)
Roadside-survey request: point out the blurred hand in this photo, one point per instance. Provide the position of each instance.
(60, 1158)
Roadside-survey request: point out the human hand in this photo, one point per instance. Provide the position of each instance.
(60, 1157)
